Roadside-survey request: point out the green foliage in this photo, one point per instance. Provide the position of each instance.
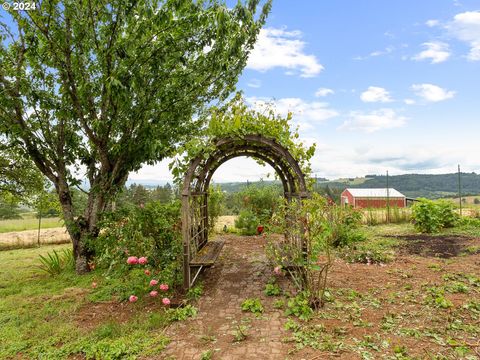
(18, 175)
(247, 222)
(207, 355)
(325, 225)
(215, 205)
(194, 293)
(300, 306)
(235, 120)
(241, 332)
(114, 87)
(55, 262)
(46, 204)
(272, 290)
(9, 207)
(152, 231)
(182, 313)
(430, 216)
(252, 305)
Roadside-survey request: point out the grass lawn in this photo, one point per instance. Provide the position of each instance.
(28, 223)
(54, 317)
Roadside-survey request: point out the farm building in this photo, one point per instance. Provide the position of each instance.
(373, 198)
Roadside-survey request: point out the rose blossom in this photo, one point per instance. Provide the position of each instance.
(132, 298)
(166, 301)
(277, 270)
(153, 282)
(153, 293)
(164, 287)
(143, 260)
(132, 260)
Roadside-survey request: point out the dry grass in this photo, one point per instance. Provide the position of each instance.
(228, 220)
(29, 238)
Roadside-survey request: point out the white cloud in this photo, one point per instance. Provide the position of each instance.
(375, 94)
(466, 27)
(373, 121)
(254, 83)
(324, 92)
(432, 23)
(388, 50)
(432, 93)
(305, 114)
(436, 51)
(409, 101)
(283, 49)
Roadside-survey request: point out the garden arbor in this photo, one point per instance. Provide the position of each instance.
(198, 252)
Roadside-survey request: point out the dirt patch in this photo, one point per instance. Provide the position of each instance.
(440, 246)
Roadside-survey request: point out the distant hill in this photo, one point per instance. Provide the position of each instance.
(412, 185)
(418, 185)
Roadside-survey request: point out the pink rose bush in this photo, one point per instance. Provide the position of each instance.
(164, 287)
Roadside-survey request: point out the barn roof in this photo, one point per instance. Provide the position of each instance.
(381, 193)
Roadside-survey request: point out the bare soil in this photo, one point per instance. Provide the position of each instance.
(377, 311)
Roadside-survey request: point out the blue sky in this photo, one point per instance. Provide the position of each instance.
(378, 85)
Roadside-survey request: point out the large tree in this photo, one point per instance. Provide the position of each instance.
(93, 89)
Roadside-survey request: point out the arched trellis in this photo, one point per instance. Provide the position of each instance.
(197, 180)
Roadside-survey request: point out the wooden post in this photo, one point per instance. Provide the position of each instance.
(186, 240)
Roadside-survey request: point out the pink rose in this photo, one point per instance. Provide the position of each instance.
(277, 270)
(132, 298)
(147, 272)
(132, 260)
(143, 260)
(153, 293)
(164, 287)
(153, 282)
(94, 285)
(166, 301)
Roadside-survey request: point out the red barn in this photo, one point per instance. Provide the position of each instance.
(373, 198)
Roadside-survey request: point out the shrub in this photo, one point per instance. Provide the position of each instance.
(247, 222)
(476, 201)
(430, 216)
(323, 226)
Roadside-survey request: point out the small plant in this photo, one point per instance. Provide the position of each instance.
(272, 290)
(181, 314)
(253, 305)
(207, 355)
(300, 306)
(195, 292)
(247, 222)
(278, 304)
(54, 263)
(241, 332)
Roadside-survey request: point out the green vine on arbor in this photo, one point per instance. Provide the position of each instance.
(236, 119)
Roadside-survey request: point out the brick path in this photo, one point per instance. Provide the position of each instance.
(240, 272)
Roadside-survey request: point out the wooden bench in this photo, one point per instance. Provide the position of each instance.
(206, 257)
(208, 254)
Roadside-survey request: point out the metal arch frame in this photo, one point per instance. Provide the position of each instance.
(199, 174)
